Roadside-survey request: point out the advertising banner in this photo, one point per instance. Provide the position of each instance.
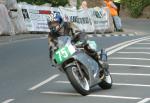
(87, 20)
(102, 19)
(80, 18)
(35, 17)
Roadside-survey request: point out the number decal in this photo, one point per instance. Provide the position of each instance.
(63, 53)
(59, 55)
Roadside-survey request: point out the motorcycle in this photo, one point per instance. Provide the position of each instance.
(82, 70)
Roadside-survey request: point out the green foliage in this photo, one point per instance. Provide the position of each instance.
(78, 4)
(53, 2)
(135, 6)
(58, 2)
(28, 1)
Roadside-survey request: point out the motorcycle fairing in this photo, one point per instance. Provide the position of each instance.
(91, 66)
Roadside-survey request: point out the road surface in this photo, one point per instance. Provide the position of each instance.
(27, 77)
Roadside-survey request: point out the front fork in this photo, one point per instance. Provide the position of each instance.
(79, 68)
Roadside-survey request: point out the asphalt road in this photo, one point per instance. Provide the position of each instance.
(27, 77)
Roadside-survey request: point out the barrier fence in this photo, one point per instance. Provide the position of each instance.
(29, 18)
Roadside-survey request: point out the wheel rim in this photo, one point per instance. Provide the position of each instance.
(83, 82)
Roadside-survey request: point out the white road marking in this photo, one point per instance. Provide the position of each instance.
(144, 43)
(131, 34)
(146, 48)
(134, 85)
(144, 100)
(147, 40)
(8, 101)
(122, 84)
(99, 35)
(130, 65)
(130, 74)
(123, 34)
(123, 58)
(92, 95)
(115, 46)
(107, 35)
(133, 52)
(90, 35)
(116, 35)
(44, 82)
(63, 82)
(125, 44)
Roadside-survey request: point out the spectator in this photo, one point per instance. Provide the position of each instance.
(84, 5)
(112, 7)
(117, 3)
(113, 11)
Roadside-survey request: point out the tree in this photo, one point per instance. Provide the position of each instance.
(135, 6)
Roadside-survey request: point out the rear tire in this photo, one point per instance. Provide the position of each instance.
(81, 85)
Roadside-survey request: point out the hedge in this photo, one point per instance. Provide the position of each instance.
(135, 7)
(53, 2)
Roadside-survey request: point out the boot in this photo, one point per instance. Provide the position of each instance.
(103, 64)
(102, 60)
(103, 69)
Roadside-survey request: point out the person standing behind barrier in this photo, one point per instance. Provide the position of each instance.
(112, 7)
(117, 3)
(113, 11)
(84, 5)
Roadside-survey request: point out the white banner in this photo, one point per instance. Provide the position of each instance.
(80, 18)
(35, 17)
(102, 19)
(89, 20)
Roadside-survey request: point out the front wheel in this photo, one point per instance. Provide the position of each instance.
(80, 84)
(106, 83)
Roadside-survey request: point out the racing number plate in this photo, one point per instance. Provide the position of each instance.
(64, 53)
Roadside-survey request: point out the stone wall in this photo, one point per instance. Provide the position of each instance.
(146, 12)
(11, 21)
(6, 27)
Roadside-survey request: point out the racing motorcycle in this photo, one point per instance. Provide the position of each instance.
(82, 70)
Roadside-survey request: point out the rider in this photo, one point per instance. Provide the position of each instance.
(58, 28)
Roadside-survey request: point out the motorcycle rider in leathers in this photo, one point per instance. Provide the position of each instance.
(60, 28)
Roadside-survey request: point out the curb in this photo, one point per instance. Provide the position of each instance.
(21, 37)
(116, 34)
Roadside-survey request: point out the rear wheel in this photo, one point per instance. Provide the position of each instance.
(80, 83)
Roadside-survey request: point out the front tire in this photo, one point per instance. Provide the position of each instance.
(81, 85)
